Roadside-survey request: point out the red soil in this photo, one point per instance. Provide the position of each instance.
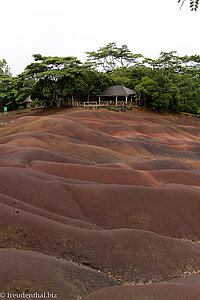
(187, 289)
(40, 273)
(118, 192)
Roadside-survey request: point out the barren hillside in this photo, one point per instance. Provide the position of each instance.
(98, 205)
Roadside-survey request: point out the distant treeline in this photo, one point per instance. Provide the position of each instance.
(168, 83)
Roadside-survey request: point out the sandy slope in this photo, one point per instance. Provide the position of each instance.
(187, 288)
(117, 193)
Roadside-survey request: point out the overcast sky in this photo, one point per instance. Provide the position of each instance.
(72, 27)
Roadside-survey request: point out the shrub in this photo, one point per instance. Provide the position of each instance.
(115, 108)
(20, 107)
(129, 107)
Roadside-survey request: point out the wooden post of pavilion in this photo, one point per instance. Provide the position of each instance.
(126, 100)
(116, 100)
(99, 99)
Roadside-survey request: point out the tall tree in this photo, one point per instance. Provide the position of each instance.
(51, 75)
(7, 92)
(4, 68)
(110, 57)
(170, 62)
(59, 81)
(147, 91)
(6, 88)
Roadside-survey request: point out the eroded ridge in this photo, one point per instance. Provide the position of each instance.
(98, 199)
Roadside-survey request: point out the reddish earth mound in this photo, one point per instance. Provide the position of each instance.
(118, 192)
(187, 289)
(95, 174)
(171, 210)
(128, 255)
(31, 272)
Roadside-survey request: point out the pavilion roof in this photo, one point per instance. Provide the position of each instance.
(28, 100)
(117, 90)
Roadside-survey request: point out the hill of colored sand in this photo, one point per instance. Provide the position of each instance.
(94, 199)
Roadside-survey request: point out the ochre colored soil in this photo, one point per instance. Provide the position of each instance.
(94, 199)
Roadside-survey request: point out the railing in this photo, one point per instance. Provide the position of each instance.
(96, 104)
(90, 104)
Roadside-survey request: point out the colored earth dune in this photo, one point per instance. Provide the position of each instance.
(100, 205)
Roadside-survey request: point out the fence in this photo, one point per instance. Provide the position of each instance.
(90, 104)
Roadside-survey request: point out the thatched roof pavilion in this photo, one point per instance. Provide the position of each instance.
(117, 91)
(27, 101)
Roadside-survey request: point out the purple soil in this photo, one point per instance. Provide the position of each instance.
(129, 255)
(40, 273)
(119, 193)
(182, 289)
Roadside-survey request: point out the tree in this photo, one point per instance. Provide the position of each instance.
(110, 57)
(4, 68)
(194, 4)
(169, 62)
(59, 81)
(22, 88)
(121, 76)
(147, 91)
(7, 92)
(167, 83)
(189, 93)
(6, 88)
(55, 79)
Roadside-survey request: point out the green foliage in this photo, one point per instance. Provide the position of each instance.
(7, 92)
(6, 89)
(120, 76)
(129, 107)
(58, 80)
(167, 83)
(20, 107)
(147, 91)
(114, 108)
(4, 68)
(111, 57)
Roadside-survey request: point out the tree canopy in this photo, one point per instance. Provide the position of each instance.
(110, 57)
(4, 68)
(170, 82)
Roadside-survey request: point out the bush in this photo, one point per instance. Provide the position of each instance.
(115, 108)
(191, 108)
(129, 107)
(20, 107)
